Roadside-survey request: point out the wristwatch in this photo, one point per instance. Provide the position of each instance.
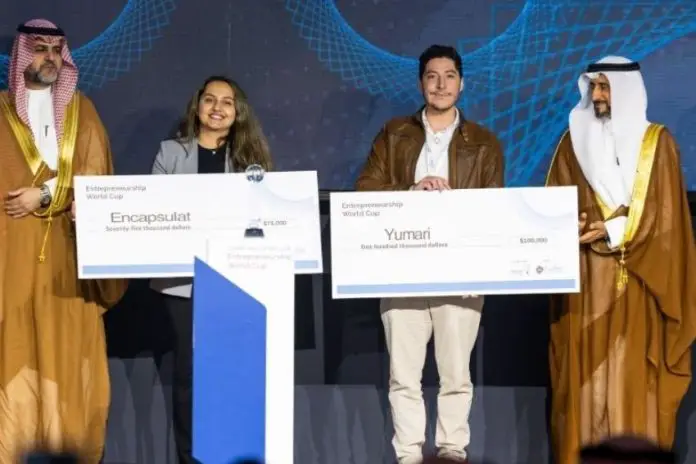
(45, 196)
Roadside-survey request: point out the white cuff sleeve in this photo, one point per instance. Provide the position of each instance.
(615, 230)
(51, 184)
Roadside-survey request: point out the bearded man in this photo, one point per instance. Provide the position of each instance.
(620, 356)
(54, 382)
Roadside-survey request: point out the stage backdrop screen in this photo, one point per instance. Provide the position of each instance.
(325, 75)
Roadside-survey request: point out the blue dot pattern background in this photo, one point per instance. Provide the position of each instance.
(325, 75)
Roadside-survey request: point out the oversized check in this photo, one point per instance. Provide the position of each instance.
(154, 225)
(457, 242)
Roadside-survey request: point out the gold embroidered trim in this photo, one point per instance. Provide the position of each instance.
(646, 161)
(35, 161)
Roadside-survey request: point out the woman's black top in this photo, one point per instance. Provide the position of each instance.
(211, 161)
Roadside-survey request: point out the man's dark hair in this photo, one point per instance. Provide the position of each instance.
(439, 51)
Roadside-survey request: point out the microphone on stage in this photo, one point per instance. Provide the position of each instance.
(254, 174)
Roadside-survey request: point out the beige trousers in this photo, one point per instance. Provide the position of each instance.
(408, 324)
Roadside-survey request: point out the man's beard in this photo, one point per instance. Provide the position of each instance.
(602, 113)
(37, 76)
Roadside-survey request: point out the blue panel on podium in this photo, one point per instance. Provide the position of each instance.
(229, 370)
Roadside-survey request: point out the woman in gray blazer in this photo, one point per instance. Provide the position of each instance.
(218, 134)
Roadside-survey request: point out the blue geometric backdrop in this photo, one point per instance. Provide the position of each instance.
(522, 83)
(114, 51)
(324, 75)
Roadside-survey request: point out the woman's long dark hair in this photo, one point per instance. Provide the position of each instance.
(246, 143)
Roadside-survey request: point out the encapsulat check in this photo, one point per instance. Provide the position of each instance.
(154, 226)
(456, 242)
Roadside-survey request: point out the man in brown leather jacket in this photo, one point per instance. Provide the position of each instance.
(434, 149)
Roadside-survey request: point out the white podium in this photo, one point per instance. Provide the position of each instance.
(244, 348)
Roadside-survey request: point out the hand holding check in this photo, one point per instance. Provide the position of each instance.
(432, 183)
(598, 230)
